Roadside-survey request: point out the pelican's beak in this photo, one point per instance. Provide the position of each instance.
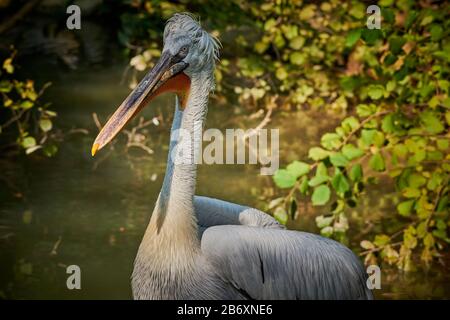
(166, 76)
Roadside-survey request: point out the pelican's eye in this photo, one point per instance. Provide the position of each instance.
(183, 51)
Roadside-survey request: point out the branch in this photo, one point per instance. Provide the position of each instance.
(18, 16)
(97, 122)
(361, 125)
(15, 118)
(396, 244)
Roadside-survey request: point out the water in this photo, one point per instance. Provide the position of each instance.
(73, 209)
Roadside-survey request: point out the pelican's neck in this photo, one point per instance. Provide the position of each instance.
(174, 215)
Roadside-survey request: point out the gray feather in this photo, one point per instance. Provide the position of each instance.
(281, 264)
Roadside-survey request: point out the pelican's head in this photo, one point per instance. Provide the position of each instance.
(188, 50)
(184, 35)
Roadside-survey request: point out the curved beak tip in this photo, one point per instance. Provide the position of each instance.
(94, 149)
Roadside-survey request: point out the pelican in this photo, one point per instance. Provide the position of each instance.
(202, 248)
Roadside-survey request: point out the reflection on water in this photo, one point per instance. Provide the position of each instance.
(70, 213)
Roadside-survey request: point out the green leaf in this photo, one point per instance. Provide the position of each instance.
(445, 102)
(381, 240)
(441, 225)
(330, 141)
(27, 104)
(327, 231)
(426, 90)
(356, 173)
(442, 204)
(298, 168)
(395, 44)
(426, 20)
(352, 37)
(351, 152)
(357, 10)
(404, 208)
(349, 83)
(367, 137)
(340, 183)
(270, 24)
(431, 122)
(409, 237)
(8, 66)
(45, 125)
(284, 179)
(50, 150)
(321, 195)
(279, 41)
(261, 46)
(281, 73)
(297, 58)
(384, 3)
(350, 124)
(365, 244)
(323, 222)
(389, 60)
(6, 86)
(411, 18)
(416, 180)
(428, 241)
(281, 215)
(304, 185)
(322, 170)
(388, 14)
(289, 31)
(436, 32)
(442, 144)
(411, 193)
(27, 217)
(387, 124)
(400, 150)
(370, 36)
(365, 110)
(434, 155)
(318, 179)
(338, 159)
(317, 153)
(441, 234)
(435, 180)
(297, 42)
(307, 12)
(28, 142)
(375, 91)
(376, 162)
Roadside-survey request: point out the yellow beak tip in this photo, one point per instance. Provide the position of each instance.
(94, 149)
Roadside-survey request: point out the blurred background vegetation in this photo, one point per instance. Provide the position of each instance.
(364, 117)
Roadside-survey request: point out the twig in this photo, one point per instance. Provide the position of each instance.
(13, 119)
(261, 125)
(54, 251)
(396, 244)
(140, 145)
(19, 15)
(78, 130)
(376, 115)
(44, 87)
(96, 121)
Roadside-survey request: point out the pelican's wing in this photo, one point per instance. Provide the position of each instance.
(212, 212)
(260, 263)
